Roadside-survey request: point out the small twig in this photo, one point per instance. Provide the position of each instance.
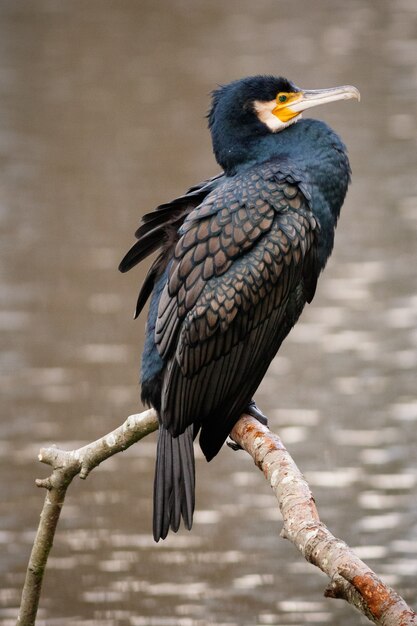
(350, 578)
(66, 465)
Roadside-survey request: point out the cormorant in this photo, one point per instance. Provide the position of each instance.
(239, 256)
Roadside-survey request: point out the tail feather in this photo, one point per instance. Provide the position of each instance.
(176, 493)
(174, 484)
(159, 496)
(188, 486)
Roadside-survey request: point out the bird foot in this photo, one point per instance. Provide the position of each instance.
(253, 410)
(233, 445)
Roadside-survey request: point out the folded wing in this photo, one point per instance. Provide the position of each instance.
(243, 268)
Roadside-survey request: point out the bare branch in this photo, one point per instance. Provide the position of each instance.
(66, 465)
(350, 578)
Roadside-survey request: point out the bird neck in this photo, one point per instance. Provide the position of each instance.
(238, 147)
(310, 151)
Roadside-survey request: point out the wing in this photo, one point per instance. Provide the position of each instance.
(243, 269)
(159, 229)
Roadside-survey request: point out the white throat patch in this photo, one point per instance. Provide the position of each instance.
(264, 112)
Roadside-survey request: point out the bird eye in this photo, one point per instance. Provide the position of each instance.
(282, 97)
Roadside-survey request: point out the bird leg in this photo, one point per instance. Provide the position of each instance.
(253, 410)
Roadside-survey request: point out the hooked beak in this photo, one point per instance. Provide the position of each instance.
(314, 97)
(302, 100)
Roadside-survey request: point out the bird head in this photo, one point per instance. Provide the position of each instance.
(259, 105)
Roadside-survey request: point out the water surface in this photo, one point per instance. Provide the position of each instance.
(102, 118)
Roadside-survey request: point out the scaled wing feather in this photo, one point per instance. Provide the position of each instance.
(231, 299)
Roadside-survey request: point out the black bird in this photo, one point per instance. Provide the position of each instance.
(239, 256)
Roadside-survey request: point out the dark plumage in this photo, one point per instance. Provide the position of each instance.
(239, 257)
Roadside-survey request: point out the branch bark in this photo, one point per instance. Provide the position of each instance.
(350, 578)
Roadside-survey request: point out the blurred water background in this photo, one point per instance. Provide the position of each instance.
(102, 109)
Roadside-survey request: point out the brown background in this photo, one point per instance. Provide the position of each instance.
(102, 108)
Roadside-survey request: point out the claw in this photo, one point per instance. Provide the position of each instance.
(255, 411)
(232, 444)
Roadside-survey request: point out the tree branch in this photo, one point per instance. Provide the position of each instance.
(66, 465)
(351, 579)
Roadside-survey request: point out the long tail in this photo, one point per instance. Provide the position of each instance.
(174, 484)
